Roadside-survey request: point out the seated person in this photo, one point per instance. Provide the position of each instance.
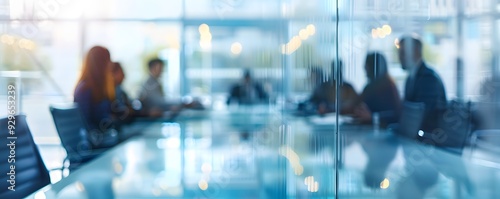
(122, 108)
(94, 93)
(247, 92)
(152, 96)
(323, 98)
(423, 84)
(380, 95)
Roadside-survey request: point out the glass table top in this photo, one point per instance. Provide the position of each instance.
(266, 154)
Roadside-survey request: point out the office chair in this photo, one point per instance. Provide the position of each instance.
(73, 134)
(455, 126)
(30, 171)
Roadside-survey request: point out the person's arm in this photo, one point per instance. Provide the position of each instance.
(349, 99)
(431, 92)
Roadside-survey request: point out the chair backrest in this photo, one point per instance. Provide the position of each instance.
(456, 125)
(411, 119)
(21, 153)
(72, 132)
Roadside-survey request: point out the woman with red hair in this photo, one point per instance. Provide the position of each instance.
(95, 90)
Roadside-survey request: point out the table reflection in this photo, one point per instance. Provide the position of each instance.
(282, 157)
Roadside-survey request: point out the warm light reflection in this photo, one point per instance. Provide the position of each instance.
(311, 29)
(204, 28)
(298, 170)
(387, 29)
(315, 187)
(293, 158)
(303, 34)
(396, 43)
(312, 186)
(236, 48)
(385, 183)
(309, 180)
(374, 34)
(381, 32)
(7, 39)
(203, 184)
(206, 37)
(79, 186)
(293, 45)
(296, 41)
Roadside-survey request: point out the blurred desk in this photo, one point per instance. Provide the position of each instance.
(282, 157)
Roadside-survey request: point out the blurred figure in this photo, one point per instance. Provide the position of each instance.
(323, 98)
(121, 107)
(95, 91)
(247, 92)
(423, 83)
(152, 96)
(487, 109)
(380, 95)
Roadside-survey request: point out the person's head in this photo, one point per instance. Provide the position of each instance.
(409, 51)
(118, 73)
(156, 67)
(96, 72)
(247, 76)
(375, 65)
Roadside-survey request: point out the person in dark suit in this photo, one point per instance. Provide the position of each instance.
(247, 92)
(423, 84)
(380, 95)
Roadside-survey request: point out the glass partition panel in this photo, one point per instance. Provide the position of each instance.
(437, 61)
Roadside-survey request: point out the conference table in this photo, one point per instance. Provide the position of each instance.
(265, 152)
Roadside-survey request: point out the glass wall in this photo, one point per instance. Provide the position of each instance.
(208, 44)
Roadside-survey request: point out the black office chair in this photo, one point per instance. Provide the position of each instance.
(411, 118)
(455, 126)
(453, 130)
(30, 171)
(73, 134)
